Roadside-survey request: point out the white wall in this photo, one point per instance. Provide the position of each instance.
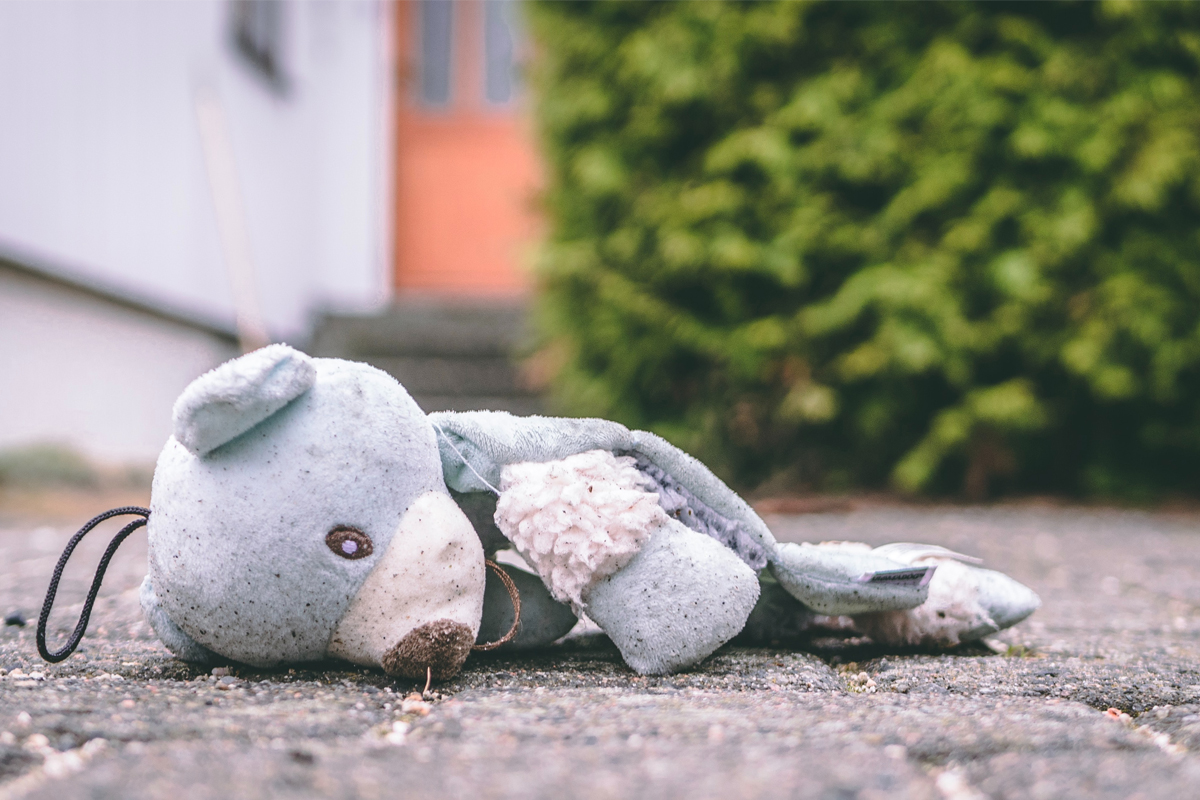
(102, 173)
(84, 372)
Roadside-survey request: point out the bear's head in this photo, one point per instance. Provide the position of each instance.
(299, 512)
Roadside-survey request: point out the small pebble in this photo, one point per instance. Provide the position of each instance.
(16, 619)
(220, 672)
(1118, 715)
(413, 704)
(302, 756)
(398, 733)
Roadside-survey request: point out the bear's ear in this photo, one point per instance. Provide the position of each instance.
(231, 399)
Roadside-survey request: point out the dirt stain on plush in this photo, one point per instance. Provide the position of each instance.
(440, 647)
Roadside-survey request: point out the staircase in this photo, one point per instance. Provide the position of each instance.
(450, 356)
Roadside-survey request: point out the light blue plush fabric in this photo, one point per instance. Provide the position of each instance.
(698, 479)
(684, 594)
(237, 554)
(274, 450)
(680, 598)
(183, 646)
(835, 581)
(476, 445)
(693, 512)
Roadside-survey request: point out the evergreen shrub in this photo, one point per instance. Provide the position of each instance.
(937, 246)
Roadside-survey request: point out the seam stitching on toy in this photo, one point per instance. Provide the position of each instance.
(464, 459)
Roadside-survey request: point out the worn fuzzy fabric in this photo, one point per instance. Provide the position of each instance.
(965, 602)
(231, 399)
(237, 537)
(693, 512)
(183, 646)
(829, 578)
(950, 614)
(681, 597)
(577, 520)
(476, 445)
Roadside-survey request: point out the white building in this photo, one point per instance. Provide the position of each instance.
(172, 173)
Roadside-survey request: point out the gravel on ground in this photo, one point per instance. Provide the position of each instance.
(1096, 695)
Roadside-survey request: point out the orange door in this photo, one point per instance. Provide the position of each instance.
(466, 171)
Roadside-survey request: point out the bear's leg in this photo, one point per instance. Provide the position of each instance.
(681, 597)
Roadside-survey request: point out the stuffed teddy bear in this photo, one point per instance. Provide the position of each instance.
(306, 508)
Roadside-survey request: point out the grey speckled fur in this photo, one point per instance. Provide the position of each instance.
(680, 598)
(238, 557)
(183, 646)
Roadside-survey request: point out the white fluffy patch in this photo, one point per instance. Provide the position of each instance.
(578, 520)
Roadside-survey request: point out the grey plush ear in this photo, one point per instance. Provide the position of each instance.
(228, 401)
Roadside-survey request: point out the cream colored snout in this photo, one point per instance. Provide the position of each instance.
(431, 577)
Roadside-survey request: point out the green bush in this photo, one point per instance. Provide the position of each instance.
(937, 245)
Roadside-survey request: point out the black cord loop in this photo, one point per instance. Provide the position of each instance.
(81, 627)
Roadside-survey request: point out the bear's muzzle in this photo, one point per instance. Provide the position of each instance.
(419, 609)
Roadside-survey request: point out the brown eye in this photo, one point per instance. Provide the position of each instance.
(349, 542)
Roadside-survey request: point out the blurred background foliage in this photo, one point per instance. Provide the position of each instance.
(46, 465)
(943, 247)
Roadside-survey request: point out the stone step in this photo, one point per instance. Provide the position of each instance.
(463, 375)
(424, 328)
(456, 357)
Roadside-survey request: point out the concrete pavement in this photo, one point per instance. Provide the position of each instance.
(1027, 716)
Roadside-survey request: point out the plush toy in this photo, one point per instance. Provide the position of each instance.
(306, 508)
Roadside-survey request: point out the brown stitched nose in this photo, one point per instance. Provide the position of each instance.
(440, 647)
